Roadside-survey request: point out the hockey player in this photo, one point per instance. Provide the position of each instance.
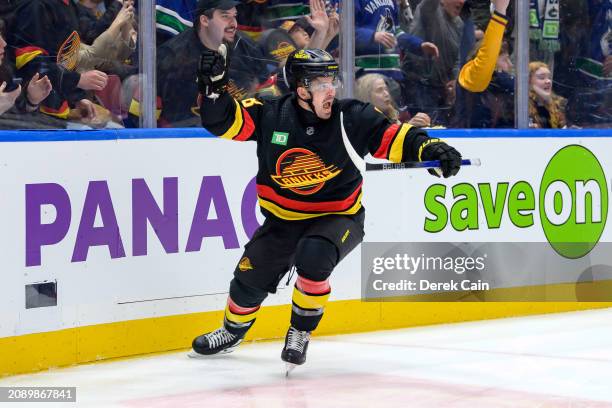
(308, 185)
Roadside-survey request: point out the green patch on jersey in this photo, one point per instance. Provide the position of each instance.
(280, 138)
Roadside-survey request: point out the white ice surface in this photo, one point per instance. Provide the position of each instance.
(560, 360)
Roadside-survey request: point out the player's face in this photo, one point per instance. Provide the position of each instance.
(380, 95)
(224, 24)
(323, 91)
(541, 81)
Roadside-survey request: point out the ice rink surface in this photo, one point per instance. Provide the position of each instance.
(559, 360)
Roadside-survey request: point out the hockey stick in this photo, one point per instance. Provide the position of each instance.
(431, 164)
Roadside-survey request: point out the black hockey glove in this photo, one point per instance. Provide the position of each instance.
(213, 71)
(450, 159)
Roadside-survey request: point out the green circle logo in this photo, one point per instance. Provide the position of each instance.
(573, 201)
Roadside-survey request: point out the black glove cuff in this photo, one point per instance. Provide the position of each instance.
(425, 145)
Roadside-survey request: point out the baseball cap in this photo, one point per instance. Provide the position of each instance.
(204, 5)
(305, 25)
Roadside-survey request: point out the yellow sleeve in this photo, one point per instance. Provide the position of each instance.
(476, 74)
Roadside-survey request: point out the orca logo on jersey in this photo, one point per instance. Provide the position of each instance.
(302, 171)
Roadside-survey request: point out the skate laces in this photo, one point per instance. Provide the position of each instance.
(297, 340)
(219, 337)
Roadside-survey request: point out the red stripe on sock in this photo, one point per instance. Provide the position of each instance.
(236, 309)
(313, 287)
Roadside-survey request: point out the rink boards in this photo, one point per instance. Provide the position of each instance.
(139, 232)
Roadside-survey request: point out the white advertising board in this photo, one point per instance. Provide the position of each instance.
(76, 212)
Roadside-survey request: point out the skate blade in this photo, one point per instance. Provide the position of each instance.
(289, 367)
(196, 355)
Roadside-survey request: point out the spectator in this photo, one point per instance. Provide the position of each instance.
(113, 48)
(316, 30)
(45, 28)
(546, 110)
(95, 16)
(432, 83)
(379, 40)
(485, 89)
(583, 67)
(177, 63)
(299, 31)
(372, 88)
(13, 95)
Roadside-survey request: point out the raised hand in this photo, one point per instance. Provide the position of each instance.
(334, 24)
(213, 71)
(318, 19)
(500, 5)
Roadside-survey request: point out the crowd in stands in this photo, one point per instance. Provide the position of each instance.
(74, 63)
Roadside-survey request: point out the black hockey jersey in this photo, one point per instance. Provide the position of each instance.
(39, 30)
(305, 170)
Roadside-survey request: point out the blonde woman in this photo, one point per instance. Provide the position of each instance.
(546, 110)
(372, 88)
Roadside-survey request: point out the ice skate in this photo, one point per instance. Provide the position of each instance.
(294, 352)
(219, 341)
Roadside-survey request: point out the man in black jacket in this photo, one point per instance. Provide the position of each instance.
(177, 63)
(309, 186)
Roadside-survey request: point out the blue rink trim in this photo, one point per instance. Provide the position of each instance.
(62, 135)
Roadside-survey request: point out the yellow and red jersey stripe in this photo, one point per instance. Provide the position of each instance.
(62, 112)
(254, 32)
(392, 143)
(289, 209)
(26, 54)
(242, 128)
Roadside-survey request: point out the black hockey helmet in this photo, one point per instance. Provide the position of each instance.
(303, 66)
